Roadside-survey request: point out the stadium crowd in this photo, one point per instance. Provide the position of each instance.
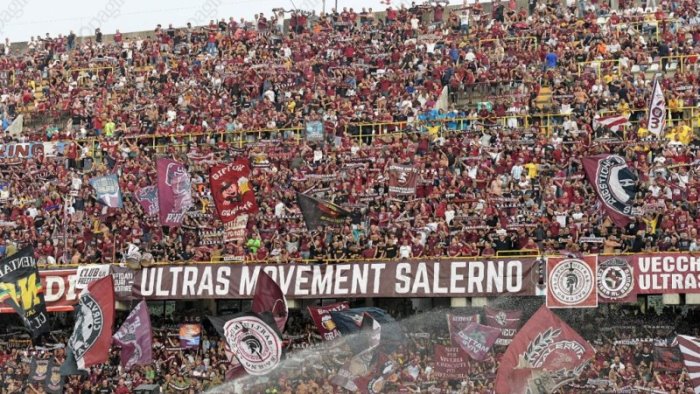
(496, 172)
(630, 354)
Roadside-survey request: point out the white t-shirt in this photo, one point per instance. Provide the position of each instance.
(405, 251)
(279, 209)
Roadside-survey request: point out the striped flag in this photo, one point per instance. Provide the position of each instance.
(611, 122)
(690, 349)
(657, 111)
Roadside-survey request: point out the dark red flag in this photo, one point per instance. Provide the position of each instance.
(547, 349)
(233, 196)
(92, 335)
(615, 184)
(507, 321)
(268, 297)
(321, 315)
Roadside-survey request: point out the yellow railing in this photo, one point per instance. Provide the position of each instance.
(600, 65)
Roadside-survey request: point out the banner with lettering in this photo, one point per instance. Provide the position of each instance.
(233, 194)
(571, 282)
(321, 315)
(450, 363)
(615, 184)
(90, 273)
(656, 121)
(402, 179)
(174, 192)
(476, 340)
(443, 278)
(21, 287)
(508, 321)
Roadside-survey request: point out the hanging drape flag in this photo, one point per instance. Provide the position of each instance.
(135, 338)
(92, 334)
(614, 183)
(545, 355)
(690, 350)
(253, 339)
(656, 120)
(21, 288)
(268, 297)
(319, 213)
(107, 190)
(476, 340)
(148, 198)
(174, 192)
(231, 190)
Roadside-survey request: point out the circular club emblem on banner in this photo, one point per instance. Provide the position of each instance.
(571, 281)
(254, 343)
(615, 279)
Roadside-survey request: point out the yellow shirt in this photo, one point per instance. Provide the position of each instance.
(643, 132)
(684, 135)
(651, 224)
(433, 131)
(109, 128)
(623, 108)
(531, 170)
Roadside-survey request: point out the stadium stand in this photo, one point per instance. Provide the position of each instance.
(495, 107)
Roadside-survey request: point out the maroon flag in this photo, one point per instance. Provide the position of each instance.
(268, 297)
(507, 321)
(374, 382)
(476, 340)
(174, 192)
(546, 353)
(615, 184)
(92, 334)
(148, 198)
(457, 323)
(450, 363)
(321, 315)
(690, 349)
(402, 179)
(135, 338)
(231, 190)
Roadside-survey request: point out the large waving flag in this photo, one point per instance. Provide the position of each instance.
(92, 334)
(253, 339)
(349, 322)
(611, 122)
(545, 355)
(107, 190)
(615, 184)
(362, 344)
(20, 287)
(174, 192)
(135, 338)
(268, 297)
(690, 349)
(656, 120)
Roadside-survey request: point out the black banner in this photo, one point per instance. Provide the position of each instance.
(319, 213)
(21, 288)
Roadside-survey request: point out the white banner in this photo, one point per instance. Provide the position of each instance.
(657, 111)
(90, 273)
